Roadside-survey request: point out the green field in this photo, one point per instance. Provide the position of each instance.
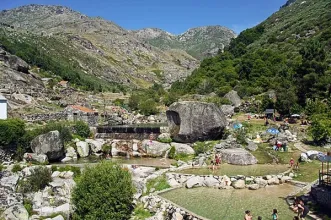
(232, 170)
(218, 204)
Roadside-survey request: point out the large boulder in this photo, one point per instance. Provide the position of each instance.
(155, 148)
(239, 184)
(83, 149)
(182, 148)
(190, 121)
(15, 212)
(210, 181)
(18, 64)
(40, 158)
(238, 156)
(234, 98)
(228, 110)
(194, 181)
(49, 144)
(95, 145)
(252, 146)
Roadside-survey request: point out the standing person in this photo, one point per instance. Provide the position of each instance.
(217, 159)
(274, 214)
(303, 210)
(248, 215)
(292, 163)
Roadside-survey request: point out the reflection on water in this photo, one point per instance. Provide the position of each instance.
(155, 162)
(231, 204)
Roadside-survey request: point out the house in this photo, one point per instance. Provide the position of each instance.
(269, 113)
(3, 107)
(64, 84)
(82, 113)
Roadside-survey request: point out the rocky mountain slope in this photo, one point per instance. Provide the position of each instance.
(199, 42)
(98, 51)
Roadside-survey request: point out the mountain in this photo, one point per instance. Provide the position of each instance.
(92, 53)
(290, 53)
(199, 42)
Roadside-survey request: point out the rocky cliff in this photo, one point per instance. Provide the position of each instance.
(199, 42)
(94, 46)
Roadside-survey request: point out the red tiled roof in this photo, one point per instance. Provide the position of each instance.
(63, 82)
(82, 108)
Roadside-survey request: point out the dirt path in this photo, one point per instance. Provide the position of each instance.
(300, 147)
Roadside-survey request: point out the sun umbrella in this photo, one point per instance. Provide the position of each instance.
(273, 131)
(237, 126)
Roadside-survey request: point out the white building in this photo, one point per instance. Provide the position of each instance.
(3, 107)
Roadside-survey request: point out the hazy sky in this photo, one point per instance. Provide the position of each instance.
(174, 16)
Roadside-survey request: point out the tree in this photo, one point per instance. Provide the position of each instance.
(82, 129)
(320, 129)
(104, 191)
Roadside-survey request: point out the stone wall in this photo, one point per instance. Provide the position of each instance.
(322, 195)
(225, 182)
(45, 117)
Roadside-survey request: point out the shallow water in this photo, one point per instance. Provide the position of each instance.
(154, 162)
(231, 204)
(232, 170)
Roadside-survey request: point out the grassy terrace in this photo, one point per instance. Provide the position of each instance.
(232, 170)
(231, 204)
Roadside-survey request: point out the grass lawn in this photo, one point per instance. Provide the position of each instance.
(308, 171)
(232, 170)
(231, 204)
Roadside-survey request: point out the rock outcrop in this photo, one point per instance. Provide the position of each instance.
(238, 156)
(49, 144)
(155, 148)
(195, 121)
(234, 98)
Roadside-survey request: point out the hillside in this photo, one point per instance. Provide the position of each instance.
(89, 52)
(199, 42)
(290, 53)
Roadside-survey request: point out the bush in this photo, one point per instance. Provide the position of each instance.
(164, 140)
(104, 191)
(172, 152)
(82, 129)
(320, 129)
(1, 167)
(16, 168)
(160, 183)
(240, 135)
(106, 148)
(141, 213)
(38, 180)
(202, 147)
(28, 206)
(11, 131)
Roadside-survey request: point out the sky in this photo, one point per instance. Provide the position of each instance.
(174, 16)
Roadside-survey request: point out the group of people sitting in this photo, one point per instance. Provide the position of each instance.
(298, 207)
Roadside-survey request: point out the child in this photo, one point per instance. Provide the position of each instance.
(291, 163)
(274, 214)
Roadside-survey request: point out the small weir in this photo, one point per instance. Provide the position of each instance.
(127, 132)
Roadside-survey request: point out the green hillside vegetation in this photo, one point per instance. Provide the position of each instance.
(289, 53)
(48, 54)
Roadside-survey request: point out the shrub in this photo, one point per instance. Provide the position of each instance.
(104, 191)
(28, 206)
(75, 170)
(1, 167)
(172, 152)
(11, 131)
(202, 147)
(82, 129)
(164, 140)
(16, 168)
(38, 180)
(184, 157)
(240, 135)
(320, 129)
(159, 183)
(106, 148)
(140, 212)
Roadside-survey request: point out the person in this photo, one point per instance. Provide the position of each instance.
(303, 210)
(259, 218)
(296, 218)
(217, 159)
(295, 204)
(296, 167)
(291, 163)
(248, 215)
(212, 162)
(274, 214)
